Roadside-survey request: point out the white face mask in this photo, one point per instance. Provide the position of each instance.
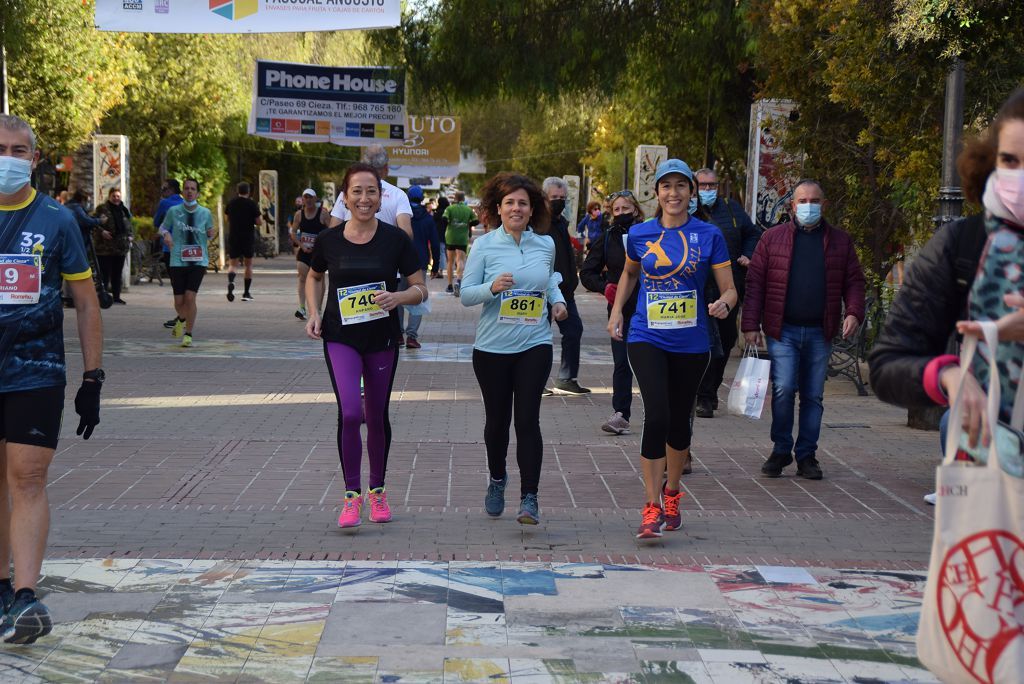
(1010, 190)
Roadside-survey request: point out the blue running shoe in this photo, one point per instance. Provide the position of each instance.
(27, 620)
(529, 510)
(494, 501)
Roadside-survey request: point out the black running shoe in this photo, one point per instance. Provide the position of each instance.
(231, 292)
(809, 468)
(704, 409)
(170, 324)
(27, 620)
(775, 463)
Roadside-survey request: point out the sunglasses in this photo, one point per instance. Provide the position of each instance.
(621, 193)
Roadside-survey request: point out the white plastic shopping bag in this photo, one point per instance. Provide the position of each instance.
(750, 386)
(972, 616)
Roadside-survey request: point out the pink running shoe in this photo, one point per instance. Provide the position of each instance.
(380, 512)
(351, 510)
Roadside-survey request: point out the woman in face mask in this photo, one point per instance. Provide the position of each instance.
(909, 363)
(600, 273)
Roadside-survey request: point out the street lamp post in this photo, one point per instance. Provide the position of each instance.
(951, 198)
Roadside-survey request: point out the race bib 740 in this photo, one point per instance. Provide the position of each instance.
(357, 303)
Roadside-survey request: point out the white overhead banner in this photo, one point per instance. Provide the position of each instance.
(244, 16)
(352, 106)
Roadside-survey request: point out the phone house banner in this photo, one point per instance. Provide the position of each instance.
(245, 16)
(352, 106)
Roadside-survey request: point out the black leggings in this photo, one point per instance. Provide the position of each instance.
(516, 381)
(668, 385)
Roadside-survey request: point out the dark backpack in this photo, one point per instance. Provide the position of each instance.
(968, 242)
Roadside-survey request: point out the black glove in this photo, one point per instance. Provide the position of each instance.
(87, 405)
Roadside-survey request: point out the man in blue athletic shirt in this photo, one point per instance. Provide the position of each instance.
(40, 246)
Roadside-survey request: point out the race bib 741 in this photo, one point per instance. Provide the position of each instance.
(669, 310)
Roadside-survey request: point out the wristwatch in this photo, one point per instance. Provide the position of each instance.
(95, 375)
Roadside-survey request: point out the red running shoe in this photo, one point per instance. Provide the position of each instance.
(651, 523)
(673, 521)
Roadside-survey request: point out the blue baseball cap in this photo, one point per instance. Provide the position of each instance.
(673, 166)
(415, 192)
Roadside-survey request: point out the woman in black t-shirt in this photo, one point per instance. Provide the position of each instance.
(360, 328)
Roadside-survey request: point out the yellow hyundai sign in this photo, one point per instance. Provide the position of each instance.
(431, 148)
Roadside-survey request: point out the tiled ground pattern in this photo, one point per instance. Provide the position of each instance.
(220, 621)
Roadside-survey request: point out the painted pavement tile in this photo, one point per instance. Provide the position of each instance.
(290, 625)
(647, 621)
(494, 670)
(105, 572)
(421, 582)
(156, 575)
(885, 606)
(477, 589)
(368, 581)
(409, 676)
(714, 628)
(666, 671)
(241, 619)
(212, 574)
(19, 661)
(823, 616)
(743, 673)
(80, 658)
(263, 577)
(343, 670)
(795, 669)
(215, 659)
(542, 671)
(157, 633)
(579, 570)
(476, 635)
(315, 581)
(57, 571)
(765, 617)
(275, 668)
(919, 674)
(868, 671)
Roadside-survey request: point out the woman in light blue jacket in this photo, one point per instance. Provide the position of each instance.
(511, 271)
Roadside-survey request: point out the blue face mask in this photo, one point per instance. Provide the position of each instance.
(708, 197)
(692, 209)
(808, 214)
(191, 204)
(14, 174)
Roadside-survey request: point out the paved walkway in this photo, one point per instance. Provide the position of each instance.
(222, 459)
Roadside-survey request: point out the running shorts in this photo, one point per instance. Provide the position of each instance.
(32, 416)
(241, 249)
(186, 278)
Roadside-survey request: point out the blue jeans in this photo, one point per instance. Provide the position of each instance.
(572, 337)
(799, 363)
(412, 328)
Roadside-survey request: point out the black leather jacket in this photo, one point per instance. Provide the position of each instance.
(608, 252)
(922, 321)
(565, 257)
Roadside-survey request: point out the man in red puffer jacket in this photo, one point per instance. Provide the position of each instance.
(802, 275)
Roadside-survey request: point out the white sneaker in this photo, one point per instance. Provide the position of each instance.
(930, 498)
(616, 425)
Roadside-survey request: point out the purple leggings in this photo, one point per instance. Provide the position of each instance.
(378, 372)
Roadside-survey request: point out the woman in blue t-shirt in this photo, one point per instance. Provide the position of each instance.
(671, 255)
